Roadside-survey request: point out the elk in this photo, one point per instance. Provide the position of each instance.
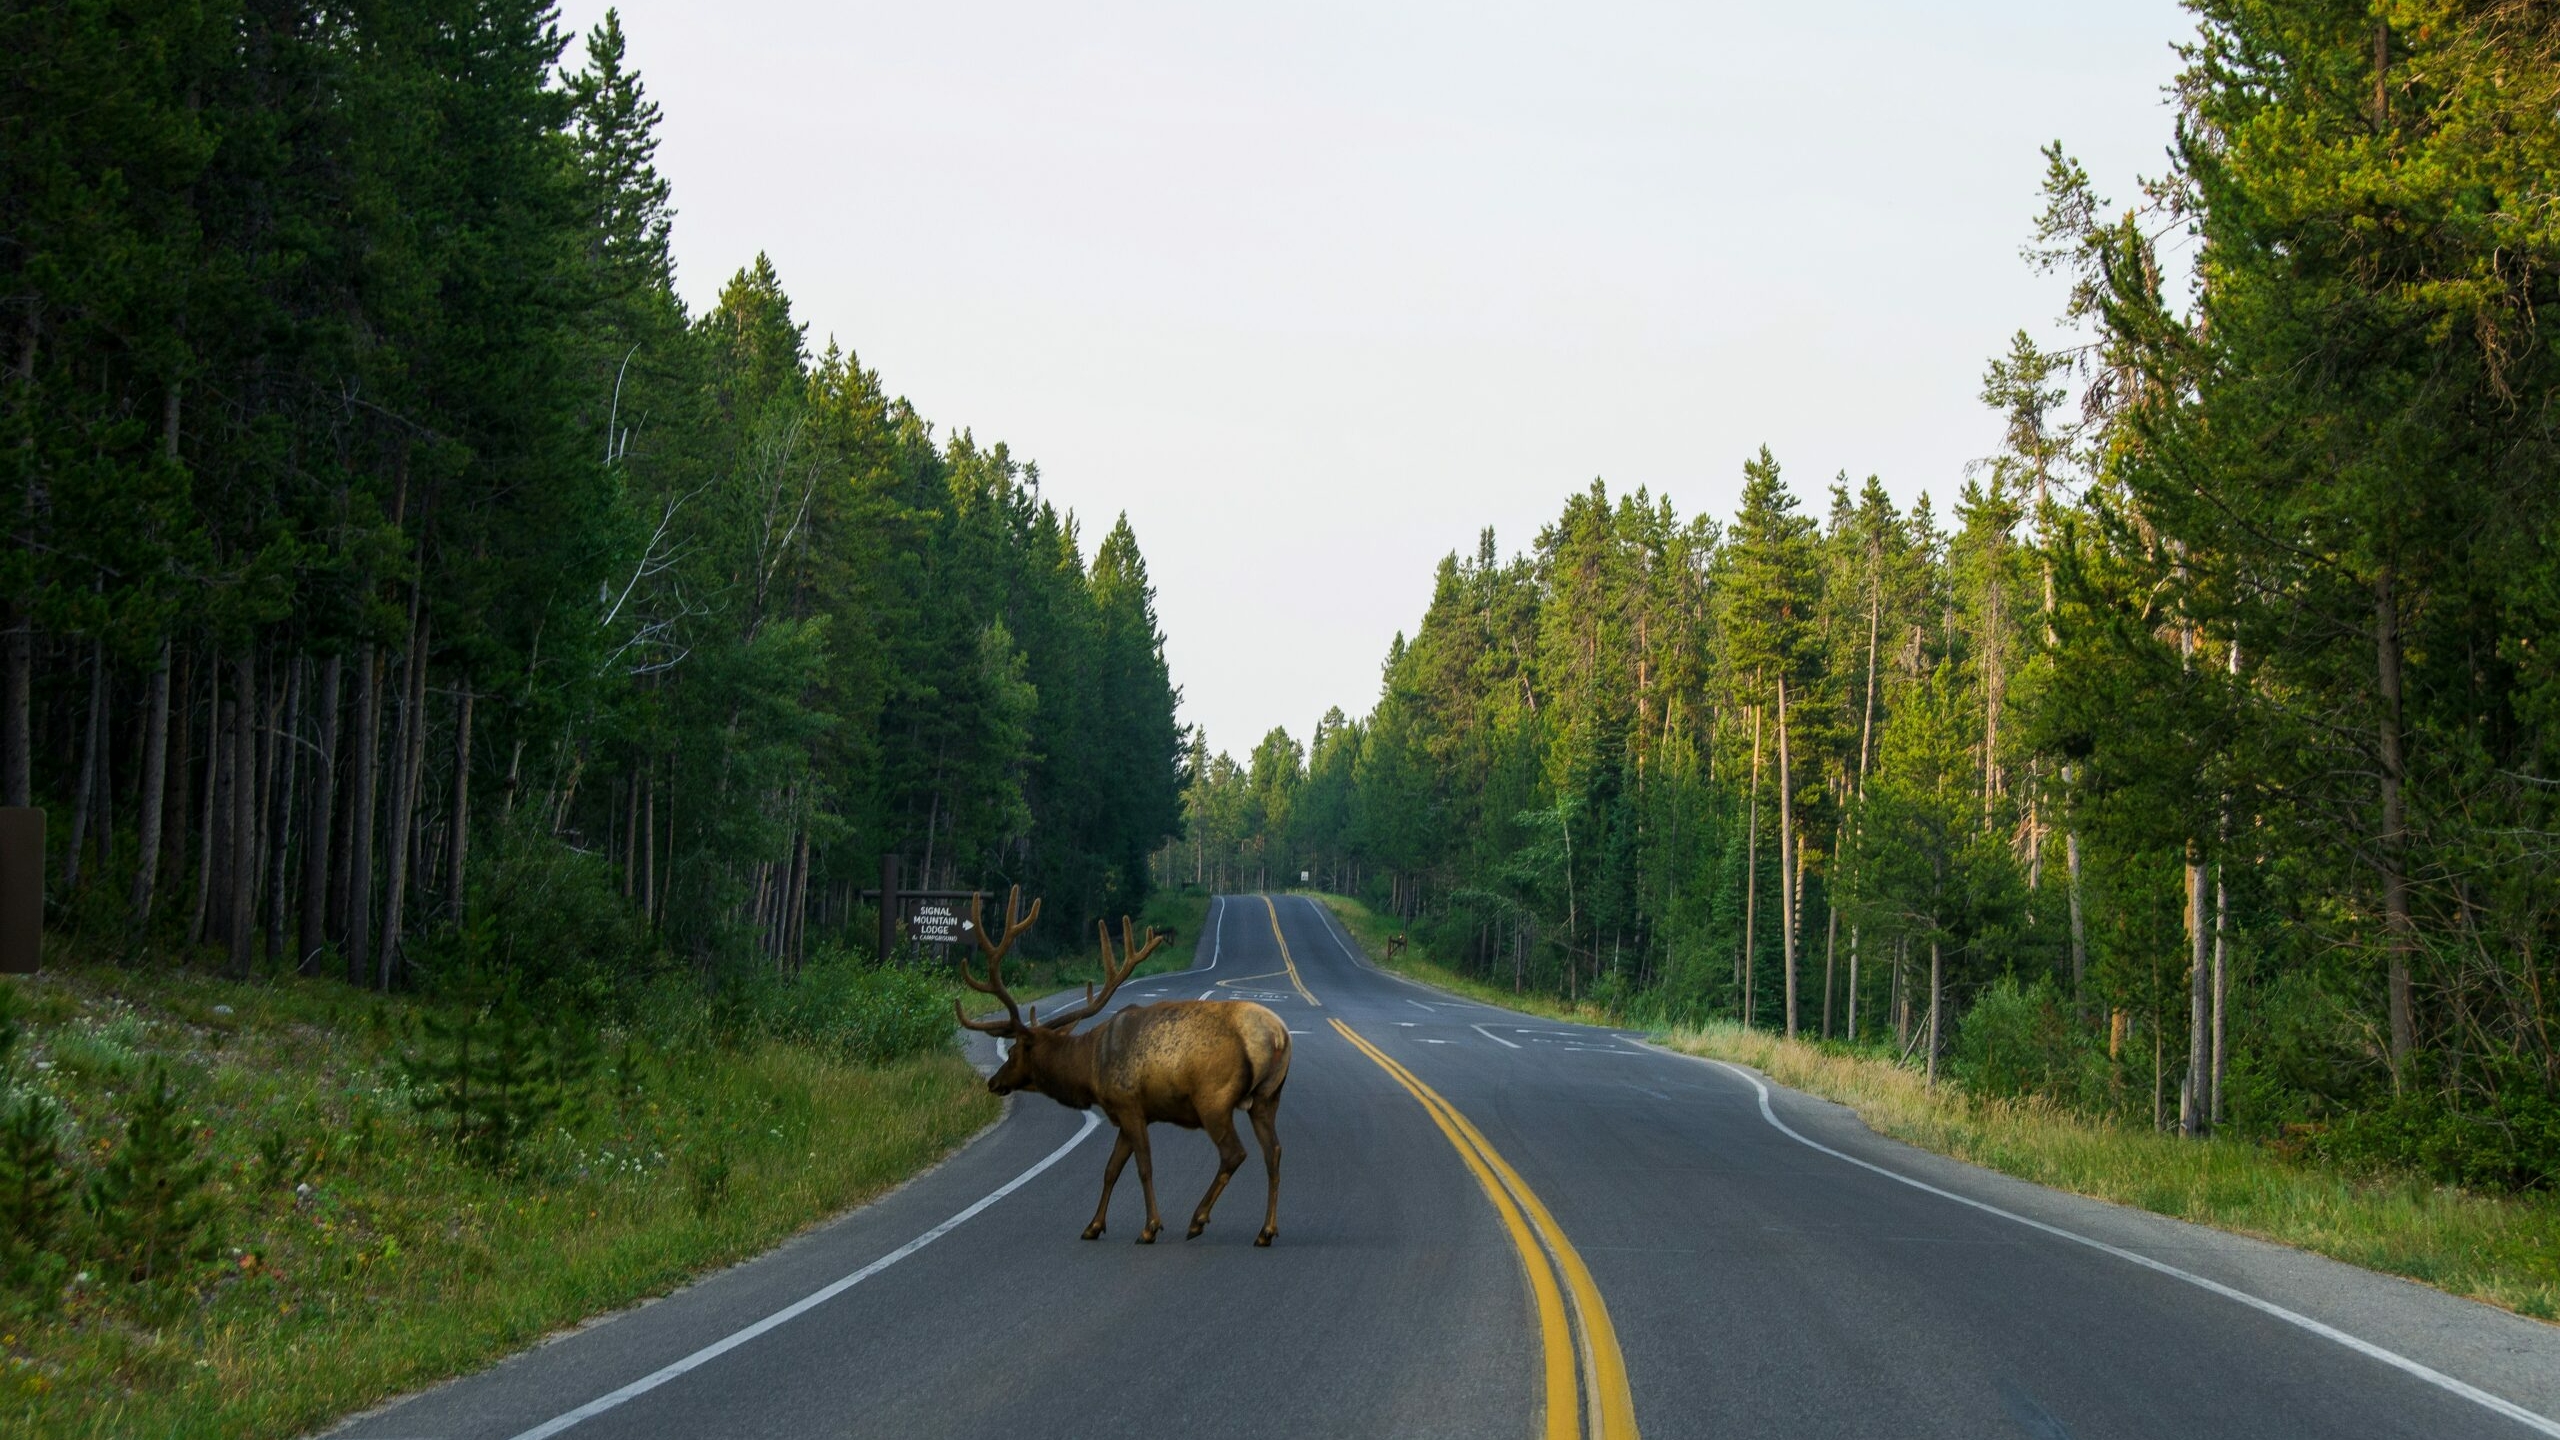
(1180, 1062)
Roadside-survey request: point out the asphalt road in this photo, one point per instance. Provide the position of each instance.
(1494, 1225)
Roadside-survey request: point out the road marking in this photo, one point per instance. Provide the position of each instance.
(1496, 1039)
(1563, 1404)
(1427, 1040)
(1285, 957)
(2540, 1424)
(1612, 1403)
(1419, 1006)
(1217, 931)
(803, 1306)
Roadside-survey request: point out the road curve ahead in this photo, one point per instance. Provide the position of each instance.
(1493, 1225)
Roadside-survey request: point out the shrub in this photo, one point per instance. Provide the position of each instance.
(150, 1202)
(546, 919)
(494, 1074)
(871, 1013)
(2020, 1041)
(2507, 1140)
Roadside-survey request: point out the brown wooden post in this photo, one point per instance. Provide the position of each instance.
(888, 907)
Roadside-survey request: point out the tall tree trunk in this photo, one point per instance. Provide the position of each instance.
(1751, 876)
(155, 781)
(667, 877)
(2400, 937)
(200, 912)
(17, 700)
(179, 809)
(631, 834)
(649, 847)
(93, 739)
(289, 763)
(2221, 988)
(2193, 1095)
(1853, 985)
(404, 800)
(1994, 683)
(456, 868)
(1830, 953)
(1937, 991)
(1867, 707)
(1900, 1000)
(1790, 864)
(358, 916)
(2079, 929)
(323, 813)
(244, 808)
(223, 800)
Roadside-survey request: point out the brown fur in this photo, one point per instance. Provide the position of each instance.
(1190, 1063)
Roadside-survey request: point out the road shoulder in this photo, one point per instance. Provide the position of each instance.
(2497, 1350)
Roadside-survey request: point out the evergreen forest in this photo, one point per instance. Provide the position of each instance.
(2194, 758)
(402, 583)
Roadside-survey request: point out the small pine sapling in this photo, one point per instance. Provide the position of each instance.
(493, 1076)
(35, 1189)
(151, 1201)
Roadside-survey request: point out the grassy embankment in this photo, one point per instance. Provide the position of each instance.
(2504, 1250)
(358, 1255)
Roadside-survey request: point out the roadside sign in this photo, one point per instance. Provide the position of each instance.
(936, 922)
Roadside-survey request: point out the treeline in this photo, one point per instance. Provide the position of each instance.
(2198, 765)
(398, 576)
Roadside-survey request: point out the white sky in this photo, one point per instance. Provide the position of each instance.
(1315, 291)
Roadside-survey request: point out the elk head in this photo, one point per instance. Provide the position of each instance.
(1039, 1054)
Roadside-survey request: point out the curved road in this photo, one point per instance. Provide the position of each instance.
(1494, 1225)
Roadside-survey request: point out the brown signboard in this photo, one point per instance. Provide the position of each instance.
(936, 921)
(21, 889)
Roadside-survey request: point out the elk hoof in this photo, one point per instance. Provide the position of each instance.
(1148, 1235)
(1264, 1239)
(1196, 1227)
(1093, 1231)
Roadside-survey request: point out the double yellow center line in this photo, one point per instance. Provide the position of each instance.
(1285, 957)
(1603, 1400)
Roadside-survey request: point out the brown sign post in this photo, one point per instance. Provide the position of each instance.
(21, 889)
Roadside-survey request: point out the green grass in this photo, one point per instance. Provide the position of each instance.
(2501, 1249)
(399, 1264)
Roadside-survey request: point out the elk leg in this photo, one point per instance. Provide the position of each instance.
(1110, 1177)
(1265, 1110)
(1147, 1183)
(1221, 1125)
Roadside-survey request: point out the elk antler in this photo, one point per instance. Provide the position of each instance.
(1014, 924)
(1114, 971)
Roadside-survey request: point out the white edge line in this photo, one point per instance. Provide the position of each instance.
(1489, 1035)
(804, 1305)
(2540, 1424)
(1427, 1010)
